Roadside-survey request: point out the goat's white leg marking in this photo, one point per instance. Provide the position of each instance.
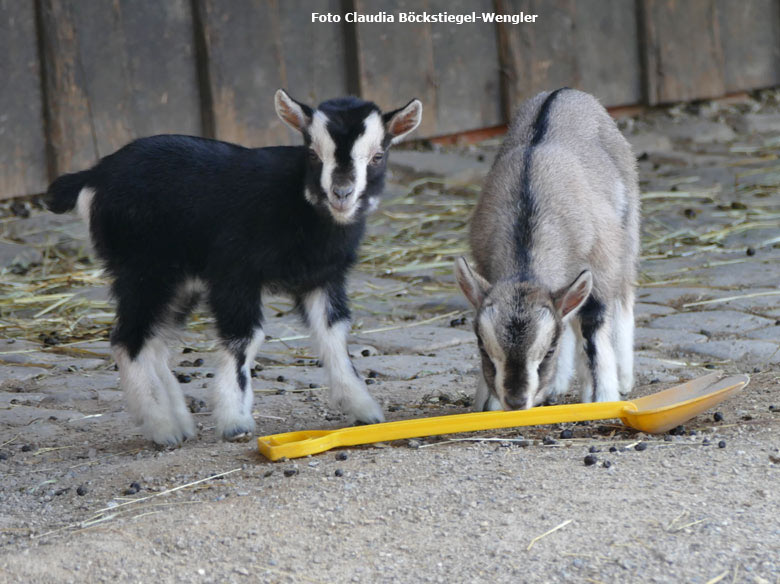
(173, 392)
(232, 403)
(147, 398)
(624, 344)
(347, 390)
(564, 367)
(484, 401)
(605, 365)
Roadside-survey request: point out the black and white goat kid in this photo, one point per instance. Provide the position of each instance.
(177, 217)
(555, 236)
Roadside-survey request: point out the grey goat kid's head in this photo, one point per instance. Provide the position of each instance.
(518, 326)
(347, 140)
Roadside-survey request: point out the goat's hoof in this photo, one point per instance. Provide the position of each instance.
(166, 433)
(239, 437)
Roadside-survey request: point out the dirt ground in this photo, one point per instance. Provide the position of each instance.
(83, 498)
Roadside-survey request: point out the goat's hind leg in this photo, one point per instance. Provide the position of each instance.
(327, 314)
(153, 396)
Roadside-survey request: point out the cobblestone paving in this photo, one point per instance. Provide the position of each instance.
(708, 298)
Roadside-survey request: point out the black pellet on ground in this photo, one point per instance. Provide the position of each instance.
(183, 378)
(341, 456)
(28, 448)
(132, 489)
(365, 353)
(185, 363)
(281, 391)
(338, 473)
(613, 449)
(458, 321)
(590, 460)
(593, 450)
(209, 375)
(313, 385)
(82, 490)
(370, 381)
(289, 472)
(641, 446)
(722, 444)
(186, 350)
(253, 373)
(690, 214)
(717, 416)
(606, 464)
(677, 431)
(549, 441)
(280, 379)
(372, 374)
(705, 442)
(566, 434)
(198, 362)
(751, 251)
(393, 408)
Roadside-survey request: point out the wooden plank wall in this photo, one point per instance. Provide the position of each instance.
(90, 75)
(22, 137)
(114, 71)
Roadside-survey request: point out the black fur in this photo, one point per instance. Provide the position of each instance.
(527, 210)
(592, 317)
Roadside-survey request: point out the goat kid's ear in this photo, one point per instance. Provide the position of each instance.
(474, 286)
(402, 121)
(295, 114)
(570, 299)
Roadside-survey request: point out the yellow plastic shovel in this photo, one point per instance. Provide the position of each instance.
(654, 413)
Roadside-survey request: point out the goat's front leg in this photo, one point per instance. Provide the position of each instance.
(596, 320)
(327, 314)
(239, 322)
(484, 400)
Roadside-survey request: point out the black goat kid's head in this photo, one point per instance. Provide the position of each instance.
(347, 141)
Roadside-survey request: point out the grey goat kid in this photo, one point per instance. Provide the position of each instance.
(555, 237)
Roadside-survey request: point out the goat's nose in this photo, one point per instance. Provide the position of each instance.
(343, 191)
(515, 402)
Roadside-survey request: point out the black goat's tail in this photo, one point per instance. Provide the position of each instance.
(64, 192)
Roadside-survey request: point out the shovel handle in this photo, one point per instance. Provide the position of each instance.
(305, 442)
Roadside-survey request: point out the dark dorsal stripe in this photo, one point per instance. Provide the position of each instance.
(527, 210)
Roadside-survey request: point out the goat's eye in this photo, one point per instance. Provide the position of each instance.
(377, 158)
(313, 155)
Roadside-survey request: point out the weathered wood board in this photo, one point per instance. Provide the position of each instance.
(683, 50)
(115, 71)
(606, 48)
(395, 62)
(750, 31)
(466, 70)
(22, 144)
(591, 46)
(245, 68)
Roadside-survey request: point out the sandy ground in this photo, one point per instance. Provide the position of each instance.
(83, 498)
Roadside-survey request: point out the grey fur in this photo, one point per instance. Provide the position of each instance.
(561, 200)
